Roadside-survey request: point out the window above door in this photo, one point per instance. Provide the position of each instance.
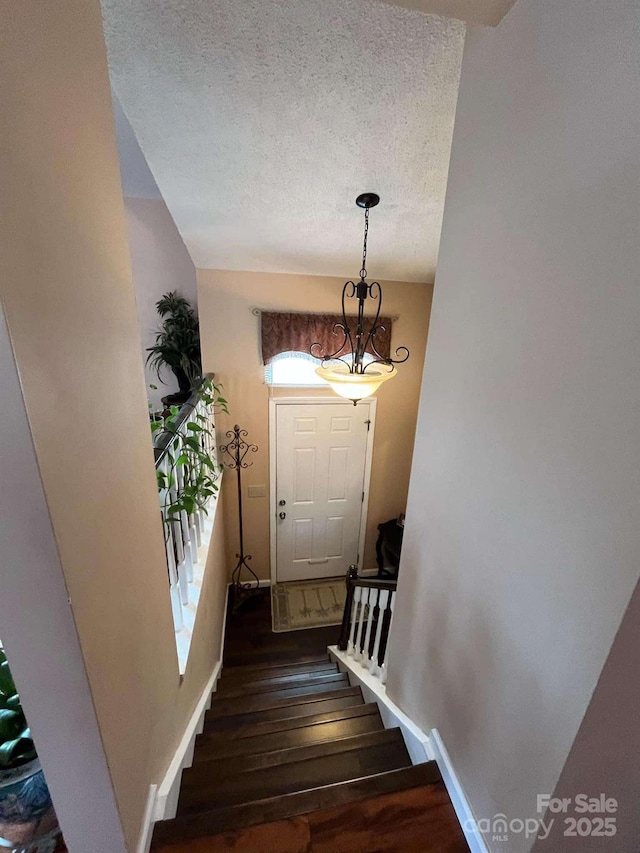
(296, 370)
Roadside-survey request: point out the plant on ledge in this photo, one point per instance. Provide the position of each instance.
(27, 818)
(191, 475)
(177, 344)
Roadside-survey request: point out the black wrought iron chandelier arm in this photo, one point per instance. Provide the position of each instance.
(344, 328)
(389, 361)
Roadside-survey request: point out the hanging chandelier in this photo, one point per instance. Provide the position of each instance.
(346, 370)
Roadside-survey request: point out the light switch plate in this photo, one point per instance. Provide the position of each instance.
(257, 491)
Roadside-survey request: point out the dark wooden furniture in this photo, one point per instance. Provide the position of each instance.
(388, 548)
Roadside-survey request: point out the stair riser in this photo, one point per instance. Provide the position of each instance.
(223, 707)
(300, 776)
(242, 675)
(222, 820)
(290, 739)
(334, 710)
(302, 661)
(231, 690)
(285, 710)
(213, 771)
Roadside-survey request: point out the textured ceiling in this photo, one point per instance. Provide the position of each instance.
(488, 12)
(262, 120)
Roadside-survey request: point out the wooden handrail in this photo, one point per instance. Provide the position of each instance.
(165, 436)
(374, 583)
(352, 581)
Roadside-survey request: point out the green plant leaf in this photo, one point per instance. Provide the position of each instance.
(16, 751)
(7, 687)
(11, 724)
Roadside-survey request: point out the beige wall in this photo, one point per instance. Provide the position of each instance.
(69, 300)
(230, 335)
(522, 539)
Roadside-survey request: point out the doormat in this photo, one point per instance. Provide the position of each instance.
(297, 605)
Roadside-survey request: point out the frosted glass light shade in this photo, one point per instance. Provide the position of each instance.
(356, 386)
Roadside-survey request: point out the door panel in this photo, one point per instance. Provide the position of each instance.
(320, 463)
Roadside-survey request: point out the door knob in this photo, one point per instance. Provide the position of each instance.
(282, 503)
(282, 515)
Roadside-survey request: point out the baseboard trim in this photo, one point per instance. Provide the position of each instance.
(417, 741)
(421, 746)
(169, 789)
(162, 801)
(144, 842)
(459, 799)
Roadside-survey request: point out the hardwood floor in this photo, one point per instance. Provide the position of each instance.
(292, 759)
(251, 642)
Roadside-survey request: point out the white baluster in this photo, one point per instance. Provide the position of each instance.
(363, 606)
(367, 637)
(186, 545)
(354, 613)
(382, 604)
(383, 672)
(176, 604)
(184, 518)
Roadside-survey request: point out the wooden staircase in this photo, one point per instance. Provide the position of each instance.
(284, 740)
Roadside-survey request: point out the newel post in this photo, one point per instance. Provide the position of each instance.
(352, 576)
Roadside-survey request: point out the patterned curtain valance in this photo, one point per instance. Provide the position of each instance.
(297, 332)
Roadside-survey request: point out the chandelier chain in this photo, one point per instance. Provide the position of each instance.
(363, 271)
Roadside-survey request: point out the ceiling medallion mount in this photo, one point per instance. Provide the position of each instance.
(368, 200)
(345, 369)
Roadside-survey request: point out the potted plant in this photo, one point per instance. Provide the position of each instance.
(177, 344)
(28, 821)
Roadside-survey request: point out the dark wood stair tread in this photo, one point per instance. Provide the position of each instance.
(348, 759)
(215, 821)
(269, 708)
(240, 674)
(230, 690)
(223, 706)
(232, 741)
(208, 772)
(301, 660)
(291, 733)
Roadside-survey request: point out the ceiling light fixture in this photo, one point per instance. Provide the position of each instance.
(348, 374)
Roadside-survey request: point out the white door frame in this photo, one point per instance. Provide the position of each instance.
(371, 403)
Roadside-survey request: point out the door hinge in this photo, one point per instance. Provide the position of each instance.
(368, 423)
(363, 497)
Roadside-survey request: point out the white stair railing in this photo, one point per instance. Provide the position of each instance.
(179, 450)
(366, 621)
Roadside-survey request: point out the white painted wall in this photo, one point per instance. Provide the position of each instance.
(522, 538)
(39, 635)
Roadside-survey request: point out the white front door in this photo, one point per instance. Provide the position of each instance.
(321, 452)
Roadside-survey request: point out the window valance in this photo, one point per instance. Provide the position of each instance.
(293, 332)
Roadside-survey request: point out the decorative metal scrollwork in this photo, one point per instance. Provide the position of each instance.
(361, 342)
(236, 452)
